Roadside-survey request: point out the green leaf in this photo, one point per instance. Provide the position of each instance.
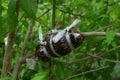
(29, 7)
(109, 36)
(40, 76)
(58, 70)
(5, 78)
(12, 15)
(114, 12)
(2, 29)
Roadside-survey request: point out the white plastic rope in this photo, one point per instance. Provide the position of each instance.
(52, 48)
(40, 34)
(72, 25)
(69, 41)
(46, 52)
(60, 34)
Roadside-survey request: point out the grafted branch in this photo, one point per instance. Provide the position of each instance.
(88, 34)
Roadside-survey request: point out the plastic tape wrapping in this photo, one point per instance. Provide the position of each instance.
(52, 48)
(69, 41)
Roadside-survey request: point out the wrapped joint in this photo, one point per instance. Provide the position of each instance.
(70, 39)
(52, 48)
(58, 43)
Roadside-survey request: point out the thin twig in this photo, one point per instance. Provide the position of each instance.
(90, 57)
(103, 28)
(18, 28)
(44, 13)
(30, 28)
(64, 11)
(82, 73)
(21, 17)
(53, 13)
(27, 56)
(98, 57)
(104, 53)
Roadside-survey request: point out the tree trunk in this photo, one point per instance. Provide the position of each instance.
(8, 53)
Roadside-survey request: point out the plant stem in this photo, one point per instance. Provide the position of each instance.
(44, 13)
(105, 59)
(20, 59)
(86, 72)
(88, 34)
(53, 14)
(90, 57)
(8, 53)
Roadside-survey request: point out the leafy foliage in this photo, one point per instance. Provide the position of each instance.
(95, 52)
(30, 7)
(110, 36)
(12, 15)
(40, 76)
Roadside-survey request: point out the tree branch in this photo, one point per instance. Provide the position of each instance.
(29, 31)
(8, 53)
(9, 47)
(53, 13)
(20, 59)
(44, 13)
(98, 57)
(82, 73)
(90, 57)
(64, 11)
(88, 34)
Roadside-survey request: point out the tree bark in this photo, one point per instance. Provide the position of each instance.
(88, 34)
(8, 53)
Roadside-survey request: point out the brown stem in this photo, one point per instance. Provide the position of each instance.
(82, 73)
(8, 53)
(17, 7)
(105, 59)
(9, 47)
(29, 31)
(90, 57)
(87, 34)
(53, 14)
(20, 59)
